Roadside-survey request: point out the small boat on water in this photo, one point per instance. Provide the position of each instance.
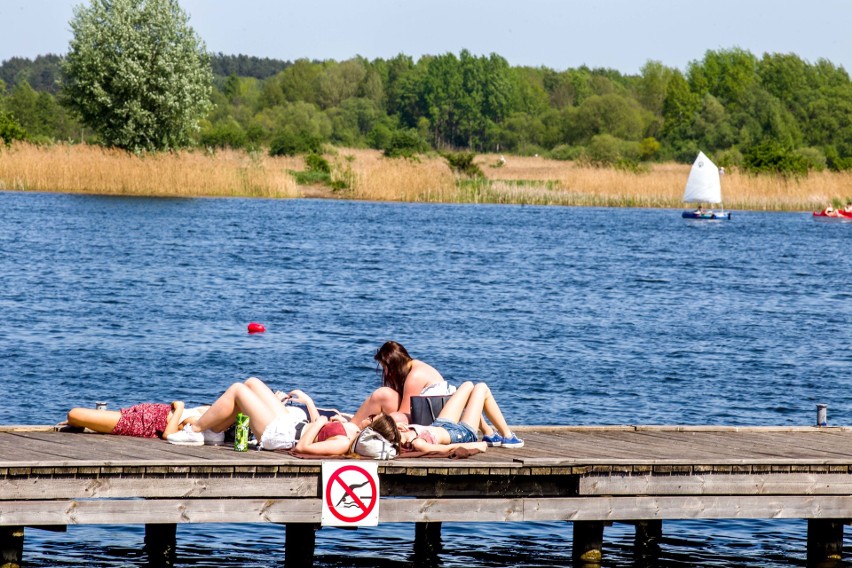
(704, 185)
(830, 214)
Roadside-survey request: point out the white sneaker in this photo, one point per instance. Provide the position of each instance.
(212, 438)
(186, 437)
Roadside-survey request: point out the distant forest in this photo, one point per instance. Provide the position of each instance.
(776, 112)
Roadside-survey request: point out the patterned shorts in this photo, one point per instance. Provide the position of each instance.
(146, 420)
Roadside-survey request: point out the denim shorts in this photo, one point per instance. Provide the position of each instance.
(459, 432)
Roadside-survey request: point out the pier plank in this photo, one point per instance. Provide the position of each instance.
(61, 512)
(647, 444)
(122, 487)
(734, 484)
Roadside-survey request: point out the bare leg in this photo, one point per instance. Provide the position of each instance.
(383, 399)
(481, 400)
(102, 421)
(485, 427)
(239, 398)
(263, 392)
(455, 406)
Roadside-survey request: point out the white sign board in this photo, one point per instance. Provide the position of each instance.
(350, 494)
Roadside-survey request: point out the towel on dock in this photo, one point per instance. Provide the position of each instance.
(454, 454)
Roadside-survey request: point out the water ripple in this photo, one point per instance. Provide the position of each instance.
(574, 316)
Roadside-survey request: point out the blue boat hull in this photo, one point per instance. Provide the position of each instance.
(707, 215)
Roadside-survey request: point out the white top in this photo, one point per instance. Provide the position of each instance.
(703, 184)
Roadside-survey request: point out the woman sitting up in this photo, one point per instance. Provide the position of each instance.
(402, 378)
(146, 420)
(275, 425)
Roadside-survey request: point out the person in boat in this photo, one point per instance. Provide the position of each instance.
(848, 208)
(700, 210)
(402, 377)
(145, 420)
(275, 425)
(830, 211)
(457, 424)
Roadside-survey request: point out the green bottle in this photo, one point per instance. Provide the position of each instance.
(241, 435)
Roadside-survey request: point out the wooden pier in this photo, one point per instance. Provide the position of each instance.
(590, 476)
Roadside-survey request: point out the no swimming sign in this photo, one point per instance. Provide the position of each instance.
(350, 494)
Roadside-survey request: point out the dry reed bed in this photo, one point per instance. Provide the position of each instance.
(92, 169)
(531, 180)
(378, 178)
(662, 186)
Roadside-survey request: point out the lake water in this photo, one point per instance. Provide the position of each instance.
(572, 315)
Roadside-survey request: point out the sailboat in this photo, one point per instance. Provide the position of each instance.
(704, 185)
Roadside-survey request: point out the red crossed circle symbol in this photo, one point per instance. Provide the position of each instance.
(364, 509)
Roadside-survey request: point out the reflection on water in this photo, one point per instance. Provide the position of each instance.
(573, 316)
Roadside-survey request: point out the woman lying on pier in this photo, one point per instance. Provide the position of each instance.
(275, 425)
(334, 437)
(402, 377)
(146, 420)
(455, 427)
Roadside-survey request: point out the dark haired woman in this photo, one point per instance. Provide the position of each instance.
(402, 378)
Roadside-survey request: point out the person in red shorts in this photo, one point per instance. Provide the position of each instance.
(146, 420)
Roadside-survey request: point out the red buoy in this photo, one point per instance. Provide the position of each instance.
(255, 327)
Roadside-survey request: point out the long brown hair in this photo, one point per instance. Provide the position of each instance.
(395, 362)
(386, 426)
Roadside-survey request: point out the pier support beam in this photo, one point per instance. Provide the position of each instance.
(11, 546)
(161, 545)
(427, 538)
(587, 549)
(825, 543)
(647, 542)
(300, 540)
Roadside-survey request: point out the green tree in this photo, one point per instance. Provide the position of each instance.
(340, 81)
(10, 129)
(40, 114)
(651, 86)
(353, 120)
(296, 128)
(227, 132)
(728, 75)
(298, 83)
(612, 114)
(137, 73)
(680, 107)
(768, 156)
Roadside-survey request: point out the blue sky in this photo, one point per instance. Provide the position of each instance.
(618, 34)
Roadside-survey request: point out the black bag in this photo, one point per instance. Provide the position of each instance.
(425, 409)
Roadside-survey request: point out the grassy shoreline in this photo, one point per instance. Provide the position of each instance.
(368, 175)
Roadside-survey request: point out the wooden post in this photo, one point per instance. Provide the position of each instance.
(427, 538)
(11, 546)
(299, 542)
(587, 549)
(647, 542)
(825, 543)
(160, 545)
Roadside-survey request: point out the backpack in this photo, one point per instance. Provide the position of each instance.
(370, 444)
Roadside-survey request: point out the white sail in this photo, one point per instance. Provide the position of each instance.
(704, 184)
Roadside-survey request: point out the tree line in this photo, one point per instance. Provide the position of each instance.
(776, 112)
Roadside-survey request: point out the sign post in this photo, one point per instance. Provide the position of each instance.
(350, 494)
